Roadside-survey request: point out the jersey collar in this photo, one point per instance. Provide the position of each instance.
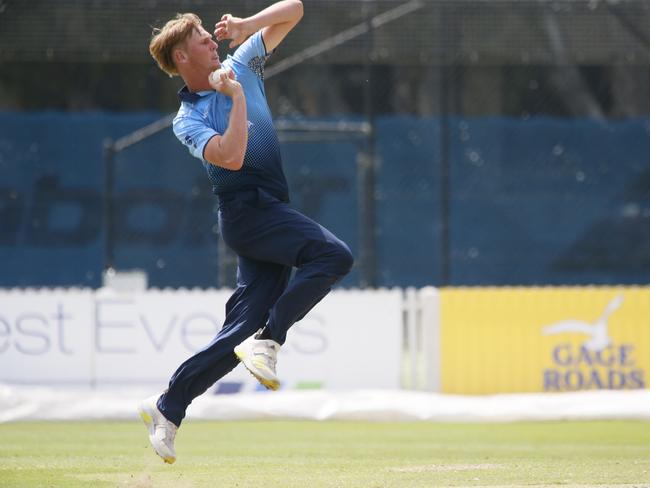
(192, 97)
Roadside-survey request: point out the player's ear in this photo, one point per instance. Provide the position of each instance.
(180, 56)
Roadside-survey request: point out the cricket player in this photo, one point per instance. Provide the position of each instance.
(224, 121)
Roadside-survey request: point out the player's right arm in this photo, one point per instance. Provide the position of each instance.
(225, 150)
(228, 150)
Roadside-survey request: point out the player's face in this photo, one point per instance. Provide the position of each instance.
(202, 50)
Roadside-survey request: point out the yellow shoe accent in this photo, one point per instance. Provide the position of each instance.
(146, 418)
(271, 385)
(169, 460)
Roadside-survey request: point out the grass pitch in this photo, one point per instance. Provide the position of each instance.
(328, 454)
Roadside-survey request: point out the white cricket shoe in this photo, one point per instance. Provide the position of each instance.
(259, 356)
(161, 430)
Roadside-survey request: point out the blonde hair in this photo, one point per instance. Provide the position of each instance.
(164, 40)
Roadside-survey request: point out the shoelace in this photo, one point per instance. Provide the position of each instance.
(170, 431)
(268, 354)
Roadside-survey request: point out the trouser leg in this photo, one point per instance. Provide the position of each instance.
(259, 285)
(323, 264)
(277, 233)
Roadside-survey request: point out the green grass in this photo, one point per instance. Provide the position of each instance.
(328, 454)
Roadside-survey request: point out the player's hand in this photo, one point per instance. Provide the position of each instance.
(230, 27)
(223, 80)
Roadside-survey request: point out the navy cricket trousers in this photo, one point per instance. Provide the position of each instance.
(270, 238)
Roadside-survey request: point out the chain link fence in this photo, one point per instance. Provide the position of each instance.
(505, 142)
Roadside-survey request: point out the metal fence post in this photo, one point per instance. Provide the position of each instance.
(109, 204)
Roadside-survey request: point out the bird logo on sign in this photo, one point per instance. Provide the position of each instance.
(598, 331)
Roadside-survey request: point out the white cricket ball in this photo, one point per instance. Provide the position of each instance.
(215, 75)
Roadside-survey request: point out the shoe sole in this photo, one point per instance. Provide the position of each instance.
(268, 384)
(148, 422)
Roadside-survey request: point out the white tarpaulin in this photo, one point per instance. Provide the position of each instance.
(29, 403)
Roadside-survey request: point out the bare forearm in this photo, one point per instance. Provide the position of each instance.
(228, 150)
(235, 138)
(278, 13)
(274, 22)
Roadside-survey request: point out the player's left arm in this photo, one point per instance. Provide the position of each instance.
(275, 22)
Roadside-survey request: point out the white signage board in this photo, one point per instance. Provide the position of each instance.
(46, 336)
(352, 339)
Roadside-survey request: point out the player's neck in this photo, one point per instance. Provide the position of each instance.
(196, 82)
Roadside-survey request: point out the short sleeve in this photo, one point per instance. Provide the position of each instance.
(252, 53)
(194, 134)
